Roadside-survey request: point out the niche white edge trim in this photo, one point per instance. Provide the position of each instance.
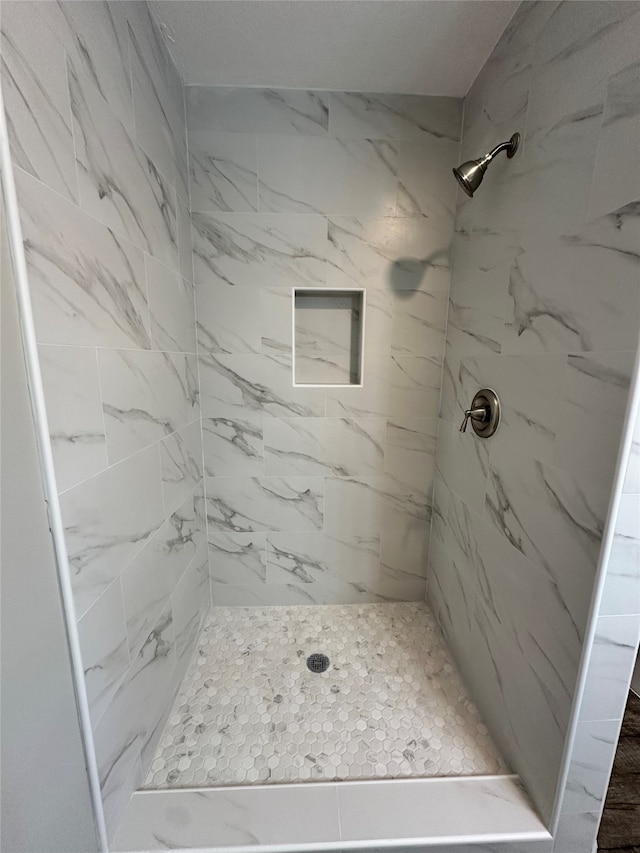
(336, 290)
(39, 412)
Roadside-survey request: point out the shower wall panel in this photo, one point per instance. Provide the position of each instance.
(96, 118)
(319, 494)
(545, 309)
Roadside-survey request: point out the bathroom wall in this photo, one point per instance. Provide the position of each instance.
(319, 495)
(96, 120)
(544, 308)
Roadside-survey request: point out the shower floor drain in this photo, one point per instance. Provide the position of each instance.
(317, 662)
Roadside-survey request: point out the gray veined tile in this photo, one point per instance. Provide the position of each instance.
(107, 520)
(556, 300)
(87, 285)
(631, 484)
(331, 176)
(232, 447)
(245, 387)
(237, 558)
(181, 464)
(410, 451)
(307, 558)
(395, 253)
(621, 592)
(95, 38)
(238, 110)
(146, 396)
(462, 462)
(223, 169)
(105, 653)
(424, 172)
(383, 116)
(184, 240)
(616, 179)
(576, 832)
(591, 759)
(414, 386)
(36, 99)
(593, 382)
(418, 325)
(159, 117)
(128, 722)
(190, 602)
(262, 250)
(265, 594)
(74, 412)
(230, 319)
(245, 504)
(171, 309)
(151, 577)
(118, 183)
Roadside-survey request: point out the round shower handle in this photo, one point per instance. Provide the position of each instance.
(484, 413)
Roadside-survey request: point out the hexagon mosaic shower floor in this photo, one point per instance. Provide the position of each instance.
(390, 705)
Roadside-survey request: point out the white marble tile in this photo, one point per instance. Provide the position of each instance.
(244, 504)
(127, 723)
(616, 180)
(424, 172)
(414, 386)
(291, 815)
(246, 387)
(159, 115)
(171, 309)
(593, 382)
(145, 396)
(315, 175)
(238, 110)
(190, 601)
(395, 253)
(301, 558)
(556, 300)
(554, 519)
(631, 485)
(232, 447)
(370, 400)
(87, 285)
(405, 553)
(457, 808)
(184, 240)
(115, 806)
(118, 184)
(418, 326)
(576, 833)
(95, 38)
(105, 653)
(151, 576)
(74, 412)
(410, 451)
(354, 115)
(223, 171)
(263, 594)
(610, 666)
(264, 250)
(591, 759)
(334, 446)
(36, 98)
(366, 505)
(237, 558)
(181, 464)
(232, 319)
(108, 519)
(462, 461)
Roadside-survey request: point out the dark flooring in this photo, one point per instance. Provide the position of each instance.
(620, 827)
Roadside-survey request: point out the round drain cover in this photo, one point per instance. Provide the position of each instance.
(317, 662)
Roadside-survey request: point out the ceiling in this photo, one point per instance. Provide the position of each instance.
(427, 47)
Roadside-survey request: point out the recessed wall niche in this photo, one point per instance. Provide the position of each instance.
(328, 335)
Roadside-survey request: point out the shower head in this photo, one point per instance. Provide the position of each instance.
(471, 173)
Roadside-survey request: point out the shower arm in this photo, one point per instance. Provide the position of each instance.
(504, 146)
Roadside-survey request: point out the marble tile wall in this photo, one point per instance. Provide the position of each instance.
(319, 495)
(545, 308)
(95, 111)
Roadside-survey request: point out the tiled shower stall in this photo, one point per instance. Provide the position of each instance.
(260, 315)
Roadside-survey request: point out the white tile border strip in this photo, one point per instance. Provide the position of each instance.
(342, 816)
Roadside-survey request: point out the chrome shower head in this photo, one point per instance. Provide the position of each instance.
(470, 174)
